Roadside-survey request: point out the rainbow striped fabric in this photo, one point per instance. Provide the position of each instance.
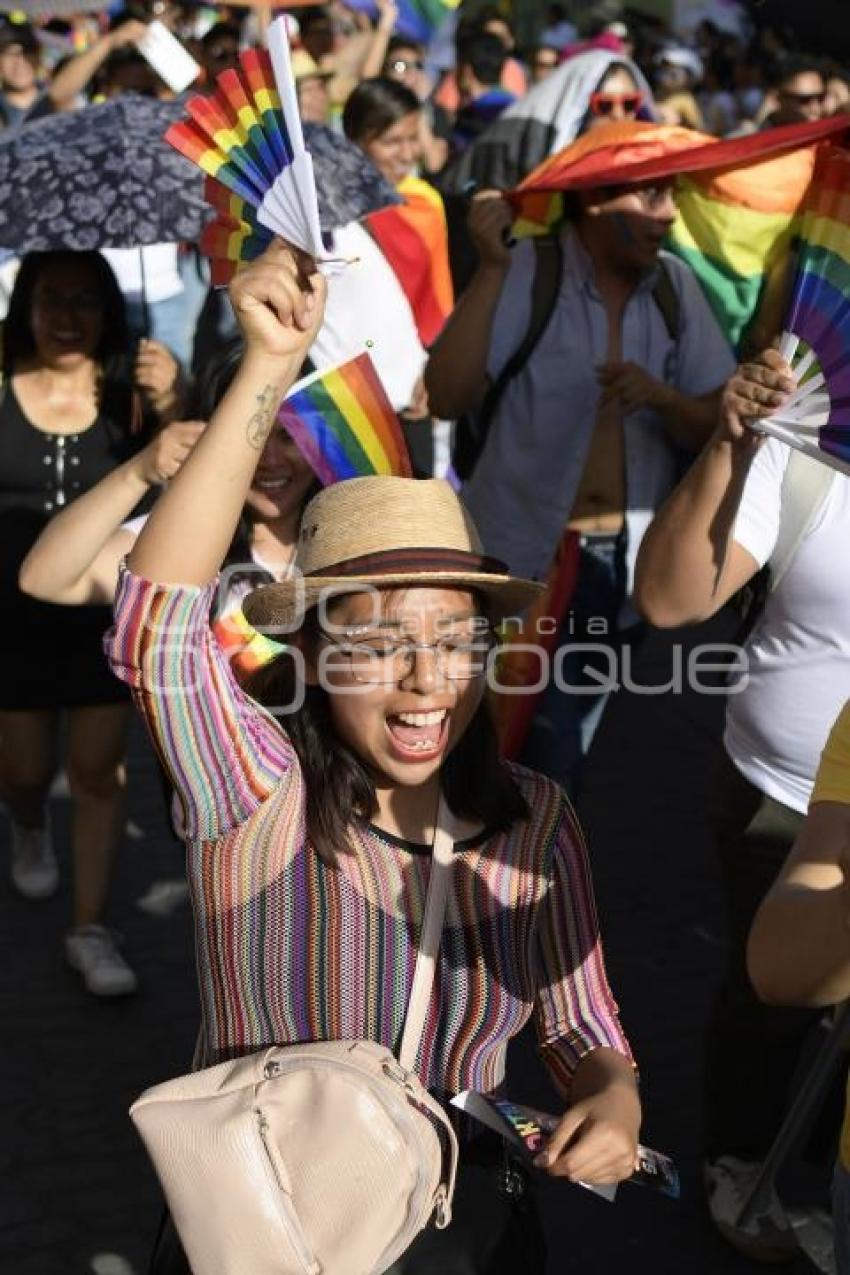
(290, 950)
(735, 229)
(247, 137)
(816, 342)
(245, 648)
(344, 424)
(239, 138)
(414, 239)
(738, 200)
(238, 135)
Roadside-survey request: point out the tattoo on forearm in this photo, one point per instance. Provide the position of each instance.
(261, 421)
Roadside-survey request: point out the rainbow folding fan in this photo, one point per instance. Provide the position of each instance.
(816, 342)
(247, 138)
(344, 424)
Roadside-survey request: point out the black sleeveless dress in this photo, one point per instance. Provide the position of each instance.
(50, 656)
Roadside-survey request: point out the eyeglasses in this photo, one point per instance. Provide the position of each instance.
(802, 99)
(402, 64)
(545, 64)
(386, 662)
(606, 103)
(653, 197)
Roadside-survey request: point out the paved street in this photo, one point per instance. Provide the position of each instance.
(77, 1194)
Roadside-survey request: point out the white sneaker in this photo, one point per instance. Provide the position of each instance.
(35, 872)
(769, 1236)
(91, 949)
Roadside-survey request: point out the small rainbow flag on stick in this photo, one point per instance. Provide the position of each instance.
(344, 424)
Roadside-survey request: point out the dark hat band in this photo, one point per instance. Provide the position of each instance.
(414, 562)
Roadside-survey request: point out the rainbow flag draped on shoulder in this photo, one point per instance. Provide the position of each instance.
(414, 239)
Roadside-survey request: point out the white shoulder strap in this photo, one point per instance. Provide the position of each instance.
(429, 943)
(805, 486)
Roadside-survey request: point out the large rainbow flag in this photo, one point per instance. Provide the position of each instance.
(344, 424)
(736, 228)
(414, 239)
(738, 204)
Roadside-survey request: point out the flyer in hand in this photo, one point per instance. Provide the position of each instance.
(526, 1129)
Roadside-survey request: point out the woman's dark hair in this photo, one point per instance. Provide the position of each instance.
(214, 380)
(374, 106)
(339, 789)
(18, 340)
(120, 404)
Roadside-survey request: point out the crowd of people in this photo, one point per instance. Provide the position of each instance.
(585, 423)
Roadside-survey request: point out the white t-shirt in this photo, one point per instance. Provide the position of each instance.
(367, 310)
(161, 277)
(799, 651)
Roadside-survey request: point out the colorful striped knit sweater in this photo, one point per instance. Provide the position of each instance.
(290, 950)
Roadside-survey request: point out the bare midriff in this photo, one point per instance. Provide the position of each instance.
(599, 506)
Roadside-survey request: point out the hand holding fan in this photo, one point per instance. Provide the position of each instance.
(816, 342)
(247, 138)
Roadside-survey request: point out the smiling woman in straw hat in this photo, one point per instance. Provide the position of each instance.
(309, 831)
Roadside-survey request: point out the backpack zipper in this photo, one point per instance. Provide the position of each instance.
(289, 1217)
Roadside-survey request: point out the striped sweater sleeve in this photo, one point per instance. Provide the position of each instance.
(575, 1011)
(223, 752)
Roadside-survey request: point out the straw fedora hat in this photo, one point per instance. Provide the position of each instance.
(380, 532)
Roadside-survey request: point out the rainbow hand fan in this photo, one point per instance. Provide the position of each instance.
(816, 343)
(247, 138)
(344, 425)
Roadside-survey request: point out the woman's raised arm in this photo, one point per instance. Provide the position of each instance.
(279, 305)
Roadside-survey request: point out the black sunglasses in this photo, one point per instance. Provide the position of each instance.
(803, 99)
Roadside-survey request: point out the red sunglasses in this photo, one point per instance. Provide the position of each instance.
(604, 103)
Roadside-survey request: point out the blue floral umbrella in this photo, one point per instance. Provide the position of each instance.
(102, 177)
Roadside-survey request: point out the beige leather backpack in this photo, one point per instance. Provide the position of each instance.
(315, 1159)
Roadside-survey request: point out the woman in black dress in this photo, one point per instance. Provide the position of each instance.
(68, 415)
